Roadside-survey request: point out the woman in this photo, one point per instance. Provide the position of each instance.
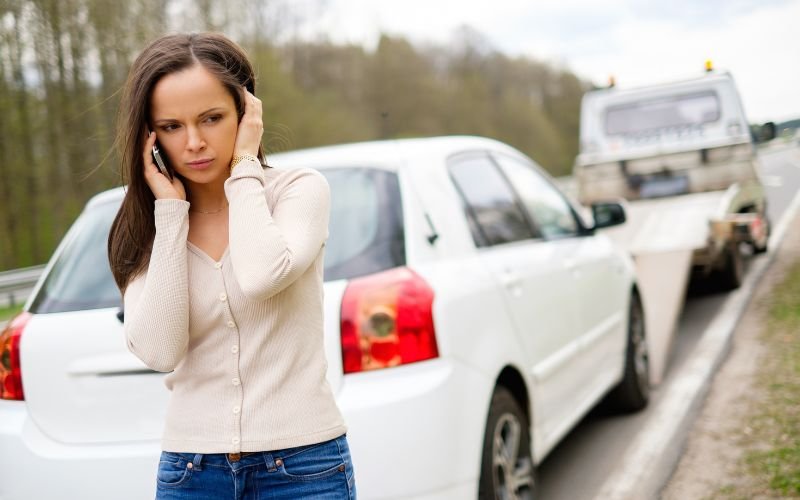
(221, 272)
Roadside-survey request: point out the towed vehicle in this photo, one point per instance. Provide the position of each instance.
(473, 315)
(684, 149)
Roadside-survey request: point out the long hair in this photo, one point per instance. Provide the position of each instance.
(131, 238)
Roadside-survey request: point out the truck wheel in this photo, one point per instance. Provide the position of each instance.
(730, 277)
(763, 248)
(507, 469)
(633, 392)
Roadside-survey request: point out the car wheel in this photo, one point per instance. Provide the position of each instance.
(633, 392)
(507, 470)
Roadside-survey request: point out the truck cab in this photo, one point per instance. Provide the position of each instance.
(664, 140)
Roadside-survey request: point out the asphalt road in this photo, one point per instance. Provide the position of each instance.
(578, 467)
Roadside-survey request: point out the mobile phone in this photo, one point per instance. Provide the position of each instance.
(160, 162)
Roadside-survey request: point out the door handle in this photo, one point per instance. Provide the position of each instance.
(511, 281)
(571, 266)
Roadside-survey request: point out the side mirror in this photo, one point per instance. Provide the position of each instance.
(608, 214)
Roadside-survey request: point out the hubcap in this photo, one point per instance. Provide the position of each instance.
(513, 474)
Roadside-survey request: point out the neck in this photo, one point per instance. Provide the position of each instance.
(206, 196)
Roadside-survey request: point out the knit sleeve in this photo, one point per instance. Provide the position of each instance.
(270, 249)
(157, 301)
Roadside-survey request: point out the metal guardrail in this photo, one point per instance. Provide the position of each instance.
(16, 284)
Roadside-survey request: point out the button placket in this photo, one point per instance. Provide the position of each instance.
(237, 399)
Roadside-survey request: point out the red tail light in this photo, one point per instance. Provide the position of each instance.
(387, 320)
(10, 371)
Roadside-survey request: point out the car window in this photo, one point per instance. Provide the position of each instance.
(366, 236)
(366, 225)
(81, 277)
(493, 211)
(547, 207)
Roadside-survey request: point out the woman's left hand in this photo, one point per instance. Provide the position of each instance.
(251, 127)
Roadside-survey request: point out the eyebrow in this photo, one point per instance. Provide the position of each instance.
(208, 111)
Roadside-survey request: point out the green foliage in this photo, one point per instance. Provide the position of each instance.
(63, 63)
(7, 312)
(778, 420)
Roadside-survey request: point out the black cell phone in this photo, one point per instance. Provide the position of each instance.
(160, 162)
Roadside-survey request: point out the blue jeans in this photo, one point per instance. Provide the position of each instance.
(321, 471)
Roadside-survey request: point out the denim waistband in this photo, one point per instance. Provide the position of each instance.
(235, 460)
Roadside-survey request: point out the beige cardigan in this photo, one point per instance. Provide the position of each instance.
(242, 337)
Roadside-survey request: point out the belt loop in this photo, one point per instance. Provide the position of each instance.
(198, 459)
(269, 461)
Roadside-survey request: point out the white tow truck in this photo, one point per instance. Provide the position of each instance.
(683, 156)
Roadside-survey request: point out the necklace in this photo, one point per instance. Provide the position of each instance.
(209, 211)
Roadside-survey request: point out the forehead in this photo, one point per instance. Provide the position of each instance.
(187, 93)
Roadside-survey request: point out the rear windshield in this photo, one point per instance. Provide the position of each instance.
(81, 277)
(649, 115)
(366, 228)
(366, 236)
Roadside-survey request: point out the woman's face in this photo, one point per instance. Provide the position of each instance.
(195, 121)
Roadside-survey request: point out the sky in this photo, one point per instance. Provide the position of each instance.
(638, 42)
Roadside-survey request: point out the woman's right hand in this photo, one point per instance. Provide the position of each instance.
(160, 185)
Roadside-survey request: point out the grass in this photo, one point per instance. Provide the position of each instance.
(774, 463)
(7, 312)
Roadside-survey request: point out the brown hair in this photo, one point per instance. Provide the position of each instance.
(131, 238)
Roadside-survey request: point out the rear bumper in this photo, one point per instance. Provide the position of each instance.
(415, 432)
(34, 466)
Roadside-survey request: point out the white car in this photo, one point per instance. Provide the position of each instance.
(472, 318)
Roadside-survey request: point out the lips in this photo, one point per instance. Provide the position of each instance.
(200, 164)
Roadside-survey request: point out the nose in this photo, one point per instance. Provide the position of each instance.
(194, 140)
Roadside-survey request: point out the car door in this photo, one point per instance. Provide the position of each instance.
(538, 287)
(598, 275)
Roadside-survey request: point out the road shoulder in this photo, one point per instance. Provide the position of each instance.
(711, 462)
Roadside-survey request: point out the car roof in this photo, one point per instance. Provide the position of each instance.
(391, 154)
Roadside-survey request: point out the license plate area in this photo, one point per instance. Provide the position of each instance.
(657, 187)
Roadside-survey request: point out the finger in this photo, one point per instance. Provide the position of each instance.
(148, 148)
(149, 165)
(251, 101)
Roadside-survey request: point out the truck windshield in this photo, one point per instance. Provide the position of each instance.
(651, 115)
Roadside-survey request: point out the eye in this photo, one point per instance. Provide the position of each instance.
(213, 118)
(169, 127)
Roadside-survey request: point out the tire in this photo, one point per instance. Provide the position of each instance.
(731, 275)
(762, 249)
(633, 391)
(507, 469)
